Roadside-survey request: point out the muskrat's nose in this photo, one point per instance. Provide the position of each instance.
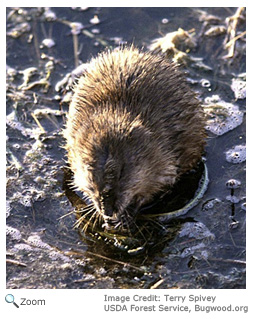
(108, 212)
(107, 208)
(110, 219)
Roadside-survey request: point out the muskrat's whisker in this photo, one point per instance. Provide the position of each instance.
(83, 217)
(140, 231)
(157, 223)
(84, 209)
(88, 222)
(97, 217)
(127, 223)
(67, 214)
(88, 211)
(136, 225)
(100, 218)
(73, 187)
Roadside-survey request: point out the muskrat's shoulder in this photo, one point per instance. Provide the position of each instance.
(130, 75)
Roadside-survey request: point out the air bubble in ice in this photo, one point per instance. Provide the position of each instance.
(13, 232)
(95, 20)
(210, 203)
(36, 241)
(238, 86)
(205, 83)
(237, 154)
(49, 43)
(49, 14)
(233, 199)
(233, 183)
(76, 27)
(222, 116)
(196, 230)
(165, 21)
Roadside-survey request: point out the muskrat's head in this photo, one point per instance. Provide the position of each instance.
(119, 165)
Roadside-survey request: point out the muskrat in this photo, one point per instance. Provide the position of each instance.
(134, 127)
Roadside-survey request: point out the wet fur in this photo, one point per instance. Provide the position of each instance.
(134, 127)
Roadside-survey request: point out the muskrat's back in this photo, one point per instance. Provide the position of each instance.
(134, 127)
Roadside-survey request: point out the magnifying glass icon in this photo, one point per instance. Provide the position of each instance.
(10, 299)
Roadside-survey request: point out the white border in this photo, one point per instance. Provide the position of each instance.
(83, 303)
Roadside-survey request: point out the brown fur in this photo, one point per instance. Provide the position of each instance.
(134, 127)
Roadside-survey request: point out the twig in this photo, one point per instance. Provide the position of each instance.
(115, 261)
(231, 33)
(109, 259)
(242, 262)
(235, 39)
(75, 44)
(15, 262)
(158, 283)
(38, 123)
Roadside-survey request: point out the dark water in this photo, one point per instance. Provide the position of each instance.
(203, 249)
